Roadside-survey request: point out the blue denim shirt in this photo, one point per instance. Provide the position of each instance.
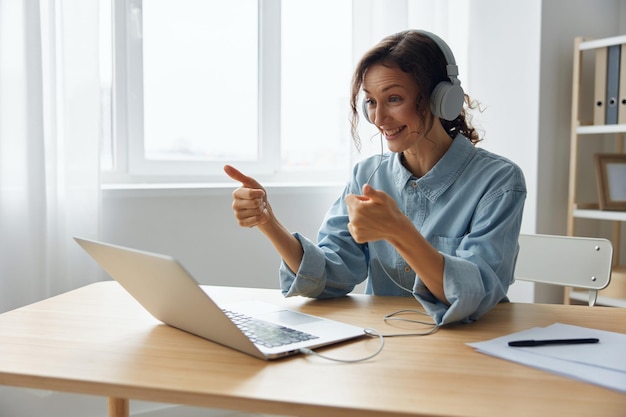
(468, 206)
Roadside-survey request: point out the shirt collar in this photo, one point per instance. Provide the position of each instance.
(443, 174)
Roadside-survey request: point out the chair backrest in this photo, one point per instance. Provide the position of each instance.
(579, 262)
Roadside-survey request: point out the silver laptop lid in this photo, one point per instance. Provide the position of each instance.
(169, 292)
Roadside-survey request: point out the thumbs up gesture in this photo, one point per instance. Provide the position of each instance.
(250, 200)
(372, 215)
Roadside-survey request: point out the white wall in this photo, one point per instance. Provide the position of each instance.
(198, 227)
(503, 75)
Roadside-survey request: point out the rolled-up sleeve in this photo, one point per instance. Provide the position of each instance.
(333, 266)
(309, 280)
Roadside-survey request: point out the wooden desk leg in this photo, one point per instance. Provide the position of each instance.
(118, 407)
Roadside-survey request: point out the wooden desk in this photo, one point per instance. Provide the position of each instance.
(98, 340)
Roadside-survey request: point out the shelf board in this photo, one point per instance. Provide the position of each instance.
(600, 129)
(594, 213)
(599, 43)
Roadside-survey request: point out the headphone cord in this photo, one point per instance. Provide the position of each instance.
(368, 332)
(380, 159)
(395, 315)
(381, 337)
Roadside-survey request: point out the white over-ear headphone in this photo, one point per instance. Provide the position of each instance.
(446, 99)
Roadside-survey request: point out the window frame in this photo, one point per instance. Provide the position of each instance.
(127, 141)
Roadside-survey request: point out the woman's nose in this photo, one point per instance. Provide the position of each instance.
(379, 115)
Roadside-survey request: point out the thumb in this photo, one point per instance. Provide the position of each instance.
(371, 193)
(237, 175)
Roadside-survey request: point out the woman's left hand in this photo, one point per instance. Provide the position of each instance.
(373, 215)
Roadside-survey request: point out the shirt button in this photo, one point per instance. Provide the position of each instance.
(407, 269)
(414, 184)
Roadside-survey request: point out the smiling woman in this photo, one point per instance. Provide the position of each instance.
(435, 218)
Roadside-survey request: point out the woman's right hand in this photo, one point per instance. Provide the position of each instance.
(252, 209)
(249, 201)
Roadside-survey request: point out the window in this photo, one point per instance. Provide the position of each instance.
(198, 84)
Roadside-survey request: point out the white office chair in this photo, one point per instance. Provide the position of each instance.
(578, 262)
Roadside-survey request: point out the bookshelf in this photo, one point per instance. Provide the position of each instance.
(598, 127)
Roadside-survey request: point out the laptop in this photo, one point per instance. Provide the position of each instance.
(164, 288)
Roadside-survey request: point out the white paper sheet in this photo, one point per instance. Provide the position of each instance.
(602, 363)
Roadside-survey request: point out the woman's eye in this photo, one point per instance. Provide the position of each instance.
(394, 99)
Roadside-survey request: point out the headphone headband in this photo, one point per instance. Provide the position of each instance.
(452, 69)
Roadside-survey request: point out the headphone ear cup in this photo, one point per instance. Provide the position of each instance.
(446, 100)
(366, 113)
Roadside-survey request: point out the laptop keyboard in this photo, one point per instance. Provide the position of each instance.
(267, 334)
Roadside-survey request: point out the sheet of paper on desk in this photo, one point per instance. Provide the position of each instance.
(602, 363)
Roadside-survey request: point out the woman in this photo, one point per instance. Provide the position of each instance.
(435, 218)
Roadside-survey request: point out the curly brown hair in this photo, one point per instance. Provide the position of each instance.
(417, 54)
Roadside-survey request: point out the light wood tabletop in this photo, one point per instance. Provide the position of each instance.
(98, 340)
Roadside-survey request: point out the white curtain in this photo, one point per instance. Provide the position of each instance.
(49, 135)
